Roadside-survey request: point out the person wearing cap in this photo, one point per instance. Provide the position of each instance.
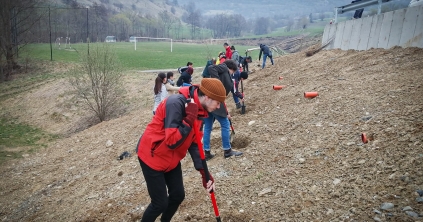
(222, 58)
(266, 53)
(237, 77)
(222, 72)
(167, 139)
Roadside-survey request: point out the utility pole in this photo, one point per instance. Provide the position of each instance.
(49, 25)
(88, 40)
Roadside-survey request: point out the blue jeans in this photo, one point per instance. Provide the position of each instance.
(236, 100)
(224, 126)
(264, 60)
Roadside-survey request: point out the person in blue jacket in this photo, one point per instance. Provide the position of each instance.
(266, 53)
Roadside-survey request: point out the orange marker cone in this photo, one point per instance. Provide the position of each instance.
(277, 87)
(310, 94)
(364, 138)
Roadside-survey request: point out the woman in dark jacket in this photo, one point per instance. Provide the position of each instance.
(185, 78)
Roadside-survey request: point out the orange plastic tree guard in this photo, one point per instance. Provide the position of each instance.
(278, 87)
(364, 138)
(310, 94)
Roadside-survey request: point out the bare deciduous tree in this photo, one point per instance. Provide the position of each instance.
(261, 26)
(321, 16)
(167, 20)
(99, 81)
(16, 18)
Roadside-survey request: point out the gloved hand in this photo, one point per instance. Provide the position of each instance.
(203, 175)
(192, 111)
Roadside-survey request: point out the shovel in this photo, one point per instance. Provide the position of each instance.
(243, 96)
(206, 170)
(232, 132)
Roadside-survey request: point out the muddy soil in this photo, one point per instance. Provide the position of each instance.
(303, 160)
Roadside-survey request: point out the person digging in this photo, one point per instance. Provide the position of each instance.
(168, 137)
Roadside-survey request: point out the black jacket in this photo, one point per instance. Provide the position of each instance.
(221, 72)
(244, 64)
(184, 78)
(265, 50)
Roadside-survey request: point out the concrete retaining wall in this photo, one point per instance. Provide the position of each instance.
(403, 27)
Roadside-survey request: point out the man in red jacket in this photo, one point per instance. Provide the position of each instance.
(166, 140)
(228, 52)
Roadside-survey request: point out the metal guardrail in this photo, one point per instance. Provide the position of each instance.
(359, 5)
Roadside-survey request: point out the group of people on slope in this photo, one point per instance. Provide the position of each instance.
(171, 132)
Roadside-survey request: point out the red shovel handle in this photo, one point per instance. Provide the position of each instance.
(206, 170)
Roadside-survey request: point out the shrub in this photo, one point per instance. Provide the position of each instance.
(98, 81)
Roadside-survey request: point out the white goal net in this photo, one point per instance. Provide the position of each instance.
(138, 39)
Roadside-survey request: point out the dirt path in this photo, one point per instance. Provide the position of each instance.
(303, 158)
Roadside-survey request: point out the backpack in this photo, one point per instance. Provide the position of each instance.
(206, 71)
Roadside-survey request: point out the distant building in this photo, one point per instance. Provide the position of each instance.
(110, 39)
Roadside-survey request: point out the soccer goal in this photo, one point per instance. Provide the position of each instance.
(59, 42)
(135, 40)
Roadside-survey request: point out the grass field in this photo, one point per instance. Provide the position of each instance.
(149, 55)
(14, 136)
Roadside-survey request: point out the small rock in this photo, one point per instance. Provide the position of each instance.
(330, 211)
(251, 122)
(376, 211)
(407, 208)
(412, 214)
(377, 219)
(365, 118)
(336, 181)
(361, 161)
(419, 199)
(109, 143)
(241, 211)
(386, 206)
(350, 143)
(264, 191)
(302, 160)
(109, 205)
(420, 192)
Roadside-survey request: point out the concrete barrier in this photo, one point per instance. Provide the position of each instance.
(403, 27)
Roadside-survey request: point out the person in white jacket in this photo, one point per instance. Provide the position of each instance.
(160, 92)
(170, 84)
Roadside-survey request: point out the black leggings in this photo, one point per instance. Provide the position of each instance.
(160, 201)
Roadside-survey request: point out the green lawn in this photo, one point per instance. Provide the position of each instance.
(149, 55)
(14, 135)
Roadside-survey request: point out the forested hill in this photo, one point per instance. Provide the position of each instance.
(267, 8)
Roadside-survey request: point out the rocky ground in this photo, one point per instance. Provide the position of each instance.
(303, 160)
